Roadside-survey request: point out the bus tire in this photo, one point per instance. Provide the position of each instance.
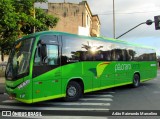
(73, 91)
(136, 80)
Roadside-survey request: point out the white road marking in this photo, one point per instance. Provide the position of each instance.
(54, 108)
(63, 103)
(78, 103)
(65, 117)
(105, 96)
(70, 117)
(91, 102)
(111, 92)
(156, 92)
(5, 94)
(95, 99)
(10, 101)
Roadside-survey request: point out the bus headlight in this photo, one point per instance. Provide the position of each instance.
(22, 85)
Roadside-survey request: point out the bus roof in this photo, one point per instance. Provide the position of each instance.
(87, 37)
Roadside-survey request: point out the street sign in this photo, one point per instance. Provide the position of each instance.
(157, 22)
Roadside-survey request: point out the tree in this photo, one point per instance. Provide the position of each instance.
(45, 20)
(41, 22)
(8, 24)
(17, 19)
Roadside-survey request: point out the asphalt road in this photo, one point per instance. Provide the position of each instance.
(96, 105)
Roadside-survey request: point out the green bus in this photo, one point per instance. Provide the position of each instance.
(48, 65)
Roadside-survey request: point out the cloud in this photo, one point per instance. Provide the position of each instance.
(129, 13)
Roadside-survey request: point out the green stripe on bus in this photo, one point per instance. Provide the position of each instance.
(24, 100)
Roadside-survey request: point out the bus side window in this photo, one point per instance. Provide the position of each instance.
(52, 54)
(51, 58)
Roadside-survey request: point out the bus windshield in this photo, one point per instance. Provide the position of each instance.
(18, 63)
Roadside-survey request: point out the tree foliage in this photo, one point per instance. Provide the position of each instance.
(8, 23)
(17, 19)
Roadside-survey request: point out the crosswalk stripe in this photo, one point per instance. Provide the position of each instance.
(65, 117)
(90, 102)
(10, 101)
(86, 97)
(71, 117)
(84, 101)
(105, 92)
(5, 94)
(78, 103)
(105, 96)
(64, 103)
(54, 108)
(95, 99)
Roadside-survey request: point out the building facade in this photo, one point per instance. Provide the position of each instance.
(75, 18)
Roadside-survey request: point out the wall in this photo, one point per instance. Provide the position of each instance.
(73, 18)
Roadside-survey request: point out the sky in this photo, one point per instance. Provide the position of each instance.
(128, 14)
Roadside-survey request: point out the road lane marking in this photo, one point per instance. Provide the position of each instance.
(10, 101)
(95, 99)
(156, 92)
(69, 117)
(54, 108)
(90, 102)
(78, 103)
(5, 93)
(102, 93)
(93, 96)
(63, 103)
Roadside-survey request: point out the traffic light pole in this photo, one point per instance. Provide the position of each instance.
(148, 22)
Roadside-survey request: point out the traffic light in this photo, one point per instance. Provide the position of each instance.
(157, 22)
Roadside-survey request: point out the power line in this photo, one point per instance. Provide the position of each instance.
(111, 13)
(128, 12)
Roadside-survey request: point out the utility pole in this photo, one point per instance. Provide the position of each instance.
(34, 16)
(114, 29)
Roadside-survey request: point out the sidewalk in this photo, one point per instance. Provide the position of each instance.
(2, 85)
(2, 79)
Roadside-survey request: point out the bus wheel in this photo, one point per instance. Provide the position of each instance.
(73, 92)
(136, 80)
